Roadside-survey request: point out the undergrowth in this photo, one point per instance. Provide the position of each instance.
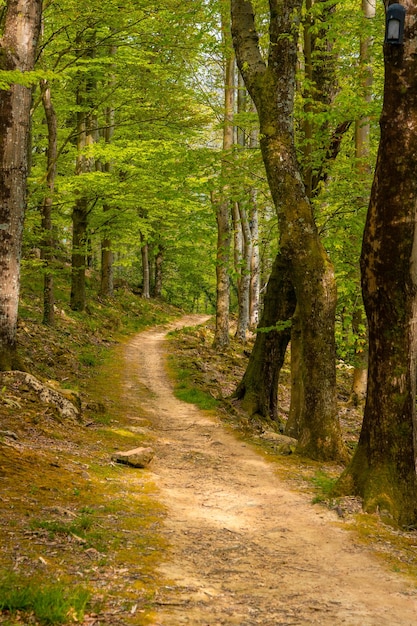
(48, 603)
(68, 512)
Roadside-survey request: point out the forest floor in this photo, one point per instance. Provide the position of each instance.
(219, 529)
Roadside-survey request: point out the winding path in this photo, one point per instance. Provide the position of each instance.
(243, 548)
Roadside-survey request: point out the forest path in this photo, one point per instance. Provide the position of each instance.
(244, 549)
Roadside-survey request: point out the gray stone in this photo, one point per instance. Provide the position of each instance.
(138, 457)
(282, 444)
(66, 402)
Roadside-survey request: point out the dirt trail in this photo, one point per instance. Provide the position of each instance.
(244, 549)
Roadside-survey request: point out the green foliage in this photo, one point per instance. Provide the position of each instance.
(279, 326)
(49, 603)
(155, 74)
(147, 183)
(78, 526)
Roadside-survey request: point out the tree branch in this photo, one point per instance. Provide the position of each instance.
(246, 42)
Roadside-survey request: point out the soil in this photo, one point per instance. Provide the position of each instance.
(244, 547)
(219, 529)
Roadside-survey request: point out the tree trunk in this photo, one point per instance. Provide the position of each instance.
(258, 389)
(311, 273)
(47, 232)
(362, 139)
(221, 336)
(107, 273)
(293, 425)
(244, 266)
(21, 28)
(308, 101)
(159, 259)
(79, 258)
(255, 266)
(146, 287)
(86, 128)
(245, 275)
(383, 469)
(107, 256)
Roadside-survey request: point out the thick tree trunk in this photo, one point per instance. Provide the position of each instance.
(47, 232)
(21, 28)
(383, 469)
(272, 89)
(258, 389)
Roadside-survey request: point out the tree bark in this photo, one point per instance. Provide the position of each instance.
(146, 287)
(21, 29)
(245, 275)
(107, 273)
(86, 128)
(293, 425)
(383, 469)
(362, 146)
(255, 271)
(221, 336)
(271, 86)
(46, 211)
(159, 260)
(107, 256)
(258, 389)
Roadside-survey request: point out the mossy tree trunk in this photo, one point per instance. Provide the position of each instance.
(258, 389)
(271, 85)
(383, 469)
(21, 21)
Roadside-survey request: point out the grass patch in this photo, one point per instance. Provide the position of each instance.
(185, 392)
(81, 528)
(197, 397)
(185, 387)
(76, 527)
(324, 485)
(89, 358)
(50, 604)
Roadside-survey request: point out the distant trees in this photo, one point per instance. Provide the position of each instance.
(126, 122)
